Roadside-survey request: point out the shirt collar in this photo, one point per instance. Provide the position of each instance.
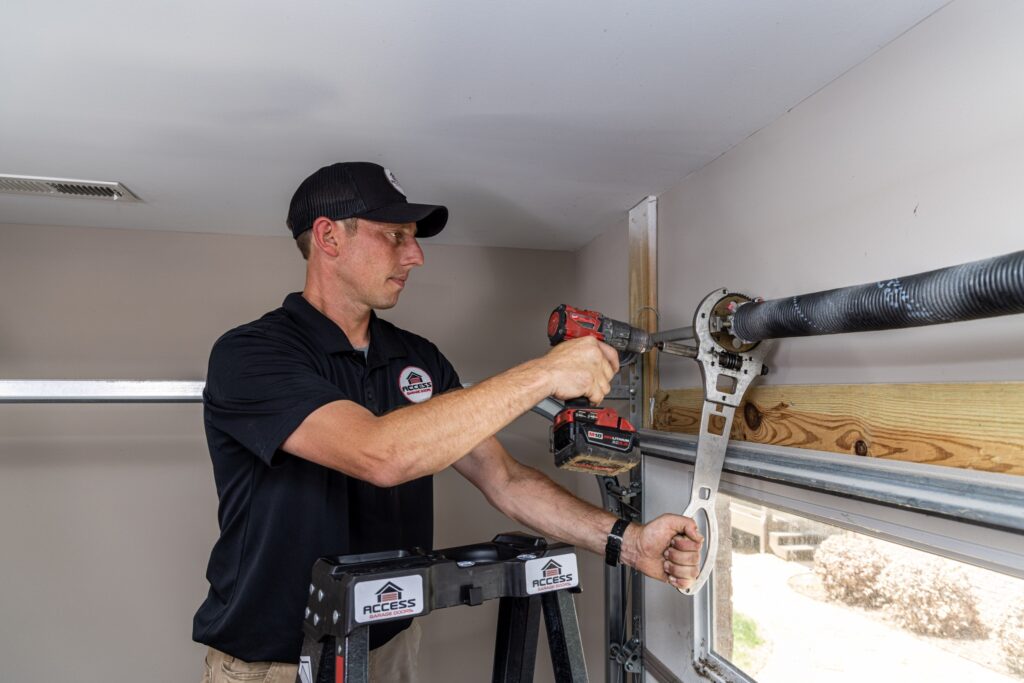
(384, 343)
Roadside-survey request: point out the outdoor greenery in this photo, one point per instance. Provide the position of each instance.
(931, 596)
(848, 567)
(745, 641)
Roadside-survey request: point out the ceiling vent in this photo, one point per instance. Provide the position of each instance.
(66, 187)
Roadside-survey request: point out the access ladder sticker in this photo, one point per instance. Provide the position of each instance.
(388, 598)
(551, 574)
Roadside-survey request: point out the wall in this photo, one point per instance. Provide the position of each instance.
(912, 161)
(107, 512)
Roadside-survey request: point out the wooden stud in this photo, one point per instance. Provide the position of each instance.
(977, 426)
(643, 287)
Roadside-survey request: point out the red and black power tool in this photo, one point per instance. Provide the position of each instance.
(586, 439)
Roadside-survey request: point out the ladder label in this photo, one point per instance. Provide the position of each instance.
(551, 573)
(400, 596)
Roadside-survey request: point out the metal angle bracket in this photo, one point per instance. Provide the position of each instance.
(627, 655)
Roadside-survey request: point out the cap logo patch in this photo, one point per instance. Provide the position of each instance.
(393, 180)
(415, 384)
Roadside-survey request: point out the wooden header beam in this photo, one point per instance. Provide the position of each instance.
(976, 426)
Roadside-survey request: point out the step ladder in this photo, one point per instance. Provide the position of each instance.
(349, 593)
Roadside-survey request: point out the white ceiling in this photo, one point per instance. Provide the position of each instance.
(538, 123)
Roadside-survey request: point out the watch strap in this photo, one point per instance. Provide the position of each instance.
(613, 548)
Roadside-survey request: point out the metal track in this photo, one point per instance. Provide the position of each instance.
(100, 391)
(982, 498)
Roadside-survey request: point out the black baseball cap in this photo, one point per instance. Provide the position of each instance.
(360, 189)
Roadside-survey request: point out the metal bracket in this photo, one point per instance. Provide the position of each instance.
(627, 655)
(623, 493)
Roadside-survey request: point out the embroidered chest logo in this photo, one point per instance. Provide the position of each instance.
(415, 384)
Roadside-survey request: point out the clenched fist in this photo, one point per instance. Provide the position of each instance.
(581, 367)
(666, 549)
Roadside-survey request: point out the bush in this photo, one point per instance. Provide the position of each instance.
(931, 596)
(1011, 636)
(848, 566)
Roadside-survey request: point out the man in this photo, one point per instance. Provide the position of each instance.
(323, 439)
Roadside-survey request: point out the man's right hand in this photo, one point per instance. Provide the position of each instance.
(581, 367)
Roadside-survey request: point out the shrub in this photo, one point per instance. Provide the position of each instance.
(1011, 636)
(931, 596)
(848, 566)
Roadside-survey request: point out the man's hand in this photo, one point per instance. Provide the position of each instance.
(581, 367)
(666, 549)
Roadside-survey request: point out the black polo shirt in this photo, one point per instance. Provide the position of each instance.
(278, 513)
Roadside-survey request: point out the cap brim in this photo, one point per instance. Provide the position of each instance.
(429, 219)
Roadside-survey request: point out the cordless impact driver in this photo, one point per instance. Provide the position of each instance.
(594, 439)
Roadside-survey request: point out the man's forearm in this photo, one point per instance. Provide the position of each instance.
(423, 439)
(531, 498)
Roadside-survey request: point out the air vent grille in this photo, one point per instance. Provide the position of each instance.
(66, 187)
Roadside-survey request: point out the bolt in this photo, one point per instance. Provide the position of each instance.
(320, 596)
(860, 448)
(316, 619)
(335, 616)
(765, 370)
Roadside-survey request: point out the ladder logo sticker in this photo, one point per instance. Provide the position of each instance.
(551, 574)
(389, 592)
(415, 384)
(305, 669)
(392, 598)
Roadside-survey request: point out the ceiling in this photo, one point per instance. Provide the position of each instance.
(538, 123)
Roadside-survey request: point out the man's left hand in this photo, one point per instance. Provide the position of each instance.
(666, 549)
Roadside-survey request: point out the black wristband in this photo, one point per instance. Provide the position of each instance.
(613, 547)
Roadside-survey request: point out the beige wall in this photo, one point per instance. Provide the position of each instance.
(914, 160)
(107, 513)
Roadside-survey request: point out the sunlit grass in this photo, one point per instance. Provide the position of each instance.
(745, 641)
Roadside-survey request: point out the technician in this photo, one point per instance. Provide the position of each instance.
(325, 424)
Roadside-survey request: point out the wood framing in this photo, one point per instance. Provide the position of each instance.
(643, 287)
(977, 426)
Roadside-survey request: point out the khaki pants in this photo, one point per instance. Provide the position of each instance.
(395, 662)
